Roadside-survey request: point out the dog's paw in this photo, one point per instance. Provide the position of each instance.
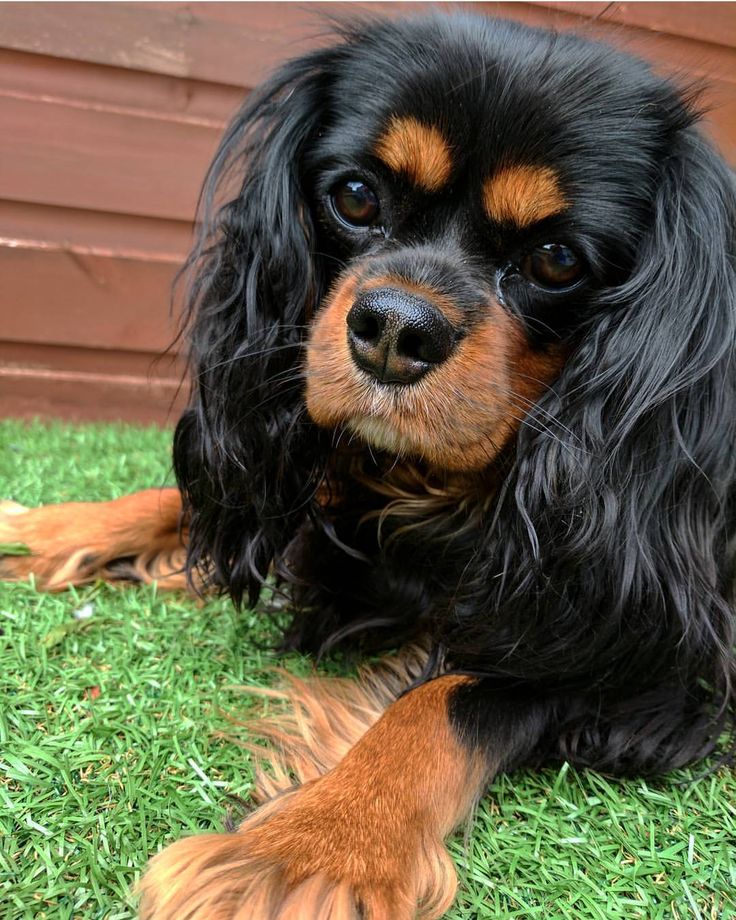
(319, 853)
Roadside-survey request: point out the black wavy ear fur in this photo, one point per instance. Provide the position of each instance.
(244, 453)
(612, 571)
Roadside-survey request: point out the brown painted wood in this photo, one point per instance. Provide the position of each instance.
(88, 384)
(73, 156)
(117, 362)
(68, 297)
(706, 22)
(82, 397)
(118, 89)
(234, 43)
(122, 235)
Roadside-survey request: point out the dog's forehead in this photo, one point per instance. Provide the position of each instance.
(524, 113)
(458, 104)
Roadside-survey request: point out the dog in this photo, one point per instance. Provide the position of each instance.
(462, 326)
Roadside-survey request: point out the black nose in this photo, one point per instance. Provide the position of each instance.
(396, 336)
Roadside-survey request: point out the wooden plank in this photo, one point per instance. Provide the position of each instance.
(93, 232)
(117, 89)
(706, 22)
(237, 43)
(78, 157)
(166, 367)
(82, 384)
(101, 280)
(60, 295)
(82, 397)
(234, 43)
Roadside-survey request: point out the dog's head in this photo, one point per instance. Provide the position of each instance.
(454, 240)
(482, 187)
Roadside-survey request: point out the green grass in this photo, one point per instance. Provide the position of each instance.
(109, 746)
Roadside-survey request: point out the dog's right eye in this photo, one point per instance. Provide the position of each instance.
(355, 203)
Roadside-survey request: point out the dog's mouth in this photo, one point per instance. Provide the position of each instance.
(416, 423)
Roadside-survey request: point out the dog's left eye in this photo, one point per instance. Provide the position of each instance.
(355, 202)
(553, 265)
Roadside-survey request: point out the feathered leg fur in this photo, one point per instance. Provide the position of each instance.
(382, 782)
(136, 538)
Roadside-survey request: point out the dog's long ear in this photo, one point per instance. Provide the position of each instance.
(244, 453)
(617, 519)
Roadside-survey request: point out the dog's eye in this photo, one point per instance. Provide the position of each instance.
(355, 202)
(553, 265)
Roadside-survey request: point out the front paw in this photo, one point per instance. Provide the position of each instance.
(317, 853)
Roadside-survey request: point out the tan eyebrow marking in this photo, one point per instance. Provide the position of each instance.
(419, 151)
(523, 195)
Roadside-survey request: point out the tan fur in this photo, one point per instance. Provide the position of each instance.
(418, 151)
(321, 719)
(362, 837)
(523, 195)
(457, 417)
(79, 542)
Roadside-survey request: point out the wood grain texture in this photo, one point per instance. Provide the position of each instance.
(231, 43)
(83, 384)
(705, 22)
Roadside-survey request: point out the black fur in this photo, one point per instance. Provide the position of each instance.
(598, 585)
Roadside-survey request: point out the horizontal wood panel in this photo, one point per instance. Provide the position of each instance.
(234, 43)
(167, 368)
(101, 160)
(118, 89)
(88, 384)
(66, 297)
(80, 397)
(238, 43)
(24, 224)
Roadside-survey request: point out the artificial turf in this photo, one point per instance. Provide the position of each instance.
(111, 745)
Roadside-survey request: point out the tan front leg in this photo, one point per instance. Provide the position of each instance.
(135, 538)
(363, 841)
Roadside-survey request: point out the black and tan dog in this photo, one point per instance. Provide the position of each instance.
(462, 324)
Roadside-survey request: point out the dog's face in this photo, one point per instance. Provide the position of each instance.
(480, 200)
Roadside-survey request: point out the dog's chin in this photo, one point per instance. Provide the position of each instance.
(381, 435)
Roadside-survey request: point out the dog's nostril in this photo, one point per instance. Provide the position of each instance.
(364, 326)
(412, 345)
